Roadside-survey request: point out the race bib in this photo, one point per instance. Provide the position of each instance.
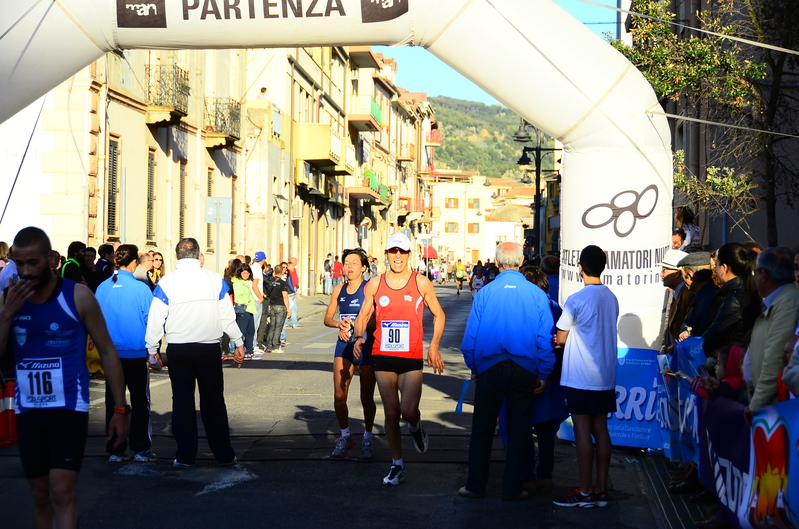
(40, 383)
(459, 273)
(395, 336)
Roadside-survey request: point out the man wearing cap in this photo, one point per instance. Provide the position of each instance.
(698, 278)
(677, 298)
(396, 298)
(258, 293)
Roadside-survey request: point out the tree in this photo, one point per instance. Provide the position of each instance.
(748, 87)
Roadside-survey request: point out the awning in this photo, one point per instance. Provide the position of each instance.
(428, 252)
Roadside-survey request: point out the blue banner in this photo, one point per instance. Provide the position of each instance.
(690, 356)
(635, 422)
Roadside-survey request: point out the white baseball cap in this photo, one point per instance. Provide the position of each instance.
(399, 240)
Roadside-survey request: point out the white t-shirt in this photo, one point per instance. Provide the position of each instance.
(258, 274)
(589, 359)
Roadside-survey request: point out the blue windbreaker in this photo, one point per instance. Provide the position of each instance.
(510, 319)
(126, 305)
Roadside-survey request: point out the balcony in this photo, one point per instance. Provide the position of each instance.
(411, 205)
(407, 153)
(167, 93)
(222, 121)
(433, 139)
(371, 188)
(365, 115)
(318, 144)
(349, 160)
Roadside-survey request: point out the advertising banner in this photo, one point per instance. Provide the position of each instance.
(690, 356)
(635, 422)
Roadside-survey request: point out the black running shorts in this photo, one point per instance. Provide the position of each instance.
(588, 402)
(50, 439)
(396, 364)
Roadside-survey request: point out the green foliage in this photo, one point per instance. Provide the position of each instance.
(477, 137)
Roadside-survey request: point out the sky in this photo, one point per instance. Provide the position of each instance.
(415, 64)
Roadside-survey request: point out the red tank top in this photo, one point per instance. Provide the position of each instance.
(399, 314)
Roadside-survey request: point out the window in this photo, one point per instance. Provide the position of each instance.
(182, 201)
(151, 196)
(474, 203)
(209, 245)
(451, 227)
(233, 215)
(452, 203)
(474, 227)
(112, 190)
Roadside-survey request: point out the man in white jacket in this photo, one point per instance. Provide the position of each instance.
(192, 309)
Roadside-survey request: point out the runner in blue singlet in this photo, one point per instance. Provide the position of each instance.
(44, 320)
(347, 298)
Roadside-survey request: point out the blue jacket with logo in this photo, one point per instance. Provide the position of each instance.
(510, 319)
(126, 305)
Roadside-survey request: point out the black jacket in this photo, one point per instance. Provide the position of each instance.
(729, 325)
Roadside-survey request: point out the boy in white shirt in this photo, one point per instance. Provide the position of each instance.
(588, 329)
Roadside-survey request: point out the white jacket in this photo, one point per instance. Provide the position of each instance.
(191, 305)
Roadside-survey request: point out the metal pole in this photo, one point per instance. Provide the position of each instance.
(537, 220)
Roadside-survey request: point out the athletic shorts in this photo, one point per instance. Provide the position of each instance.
(345, 350)
(397, 364)
(49, 439)
(588, 402)
(460, 279)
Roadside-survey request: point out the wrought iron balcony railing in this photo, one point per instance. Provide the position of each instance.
(223, 116)
(168, 87)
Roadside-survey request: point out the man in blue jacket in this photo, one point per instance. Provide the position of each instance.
(508, 348)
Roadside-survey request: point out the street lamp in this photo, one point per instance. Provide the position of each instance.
(523, 136)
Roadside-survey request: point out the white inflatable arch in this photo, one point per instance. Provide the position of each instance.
(529, 54)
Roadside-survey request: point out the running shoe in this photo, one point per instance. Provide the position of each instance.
(277, 351)
(395, 475)
(602, 499)
(367, 449)
(118, 458)
(420, 439)
(248, 356)
(257, 355)
(145, 456)
(227, 358)
(576, 499)
(343, 445)
(178, 464)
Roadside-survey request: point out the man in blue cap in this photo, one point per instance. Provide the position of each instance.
(258, 293)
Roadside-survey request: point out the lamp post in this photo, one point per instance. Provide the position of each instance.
(522, 136)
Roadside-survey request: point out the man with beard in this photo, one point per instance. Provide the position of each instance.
(44, 320)
(75, 268)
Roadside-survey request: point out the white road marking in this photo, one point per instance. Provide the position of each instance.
(318, 346)
(234, 477)
(101, 400)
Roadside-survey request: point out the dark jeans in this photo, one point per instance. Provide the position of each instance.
(137, 379)
(190, 363)
(246, 323)
(260, 332)
(512, 383)
(277, 317)
(545, 432)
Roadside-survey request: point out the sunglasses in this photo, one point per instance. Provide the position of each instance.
(398, 250)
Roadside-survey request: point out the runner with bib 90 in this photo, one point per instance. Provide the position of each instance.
(397, 298)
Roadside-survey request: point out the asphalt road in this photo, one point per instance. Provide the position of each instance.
(284, 428)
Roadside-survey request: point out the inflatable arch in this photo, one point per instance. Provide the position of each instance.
(529, 54)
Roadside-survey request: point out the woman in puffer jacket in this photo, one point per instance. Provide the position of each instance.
(735, 306)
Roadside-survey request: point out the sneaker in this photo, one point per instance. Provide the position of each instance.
(258, 349)
(420, 439)
(367, 449)
(227, 358)
(257, 355)
(343, 445)
(576, 499)
(277, 351)
(118, 458)
(229, 463)
(395, 475)
(145, 456)
(178, 464)
(459, 292)
(297, 327)
(601, 499)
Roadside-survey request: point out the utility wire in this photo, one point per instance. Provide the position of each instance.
(24, 155)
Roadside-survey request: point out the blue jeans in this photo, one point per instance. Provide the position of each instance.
(328, 285)
(512, 383)
(247, 328)
(337, 281)
(293, 309)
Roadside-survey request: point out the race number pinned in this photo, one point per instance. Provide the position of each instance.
(40, 383)
(395, 336)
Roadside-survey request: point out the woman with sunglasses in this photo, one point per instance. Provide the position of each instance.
(158, 267)
(348, 298)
